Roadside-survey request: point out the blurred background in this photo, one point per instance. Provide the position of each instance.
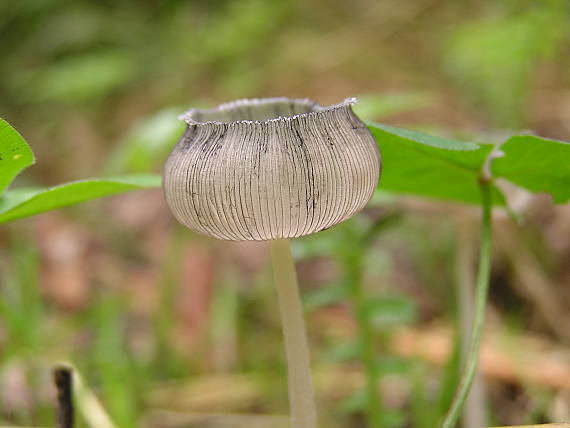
(171, 329)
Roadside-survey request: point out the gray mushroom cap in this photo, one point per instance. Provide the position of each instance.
(270, 168)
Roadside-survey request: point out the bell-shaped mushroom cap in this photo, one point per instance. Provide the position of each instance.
(272, 168)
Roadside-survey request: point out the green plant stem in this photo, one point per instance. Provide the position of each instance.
(301, 395)
(482, 288)
(365, 341)
(474, 415)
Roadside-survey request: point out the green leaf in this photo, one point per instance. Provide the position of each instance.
(15, 154)
(426, 139)
(19, 203)
(537, 164)
(420, 164)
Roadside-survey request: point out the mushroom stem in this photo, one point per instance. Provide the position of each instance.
(481, 291)
(301, 394)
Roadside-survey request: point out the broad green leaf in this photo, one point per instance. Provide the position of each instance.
(420, 164)
(537, 164)
(19, 203)
(426, 139)
(15, 154)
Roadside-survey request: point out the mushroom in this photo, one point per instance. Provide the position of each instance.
(268, 170)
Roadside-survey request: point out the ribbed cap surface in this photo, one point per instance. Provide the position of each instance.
(270, 168)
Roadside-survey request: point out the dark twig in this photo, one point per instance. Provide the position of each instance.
(63, 379)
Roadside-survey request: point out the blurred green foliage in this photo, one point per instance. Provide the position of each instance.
(495, 58)
(93, 85)
(147, 144)
(79, 52)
